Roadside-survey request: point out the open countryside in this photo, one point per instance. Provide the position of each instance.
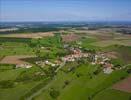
(60, 65)
(65, 50)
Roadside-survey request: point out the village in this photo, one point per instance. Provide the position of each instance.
(77, 54)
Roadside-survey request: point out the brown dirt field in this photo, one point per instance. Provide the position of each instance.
(94, 32)
(111, 54)
(1, 58)
(30, 35)
(124, 85)
(70, 37)
(15, 59)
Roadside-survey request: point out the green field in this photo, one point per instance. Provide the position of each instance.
(112, 42)
(111, 94)
(86, 86)
(15, 83)
(15, 48)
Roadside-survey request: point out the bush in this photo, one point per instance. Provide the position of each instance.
(129, 71)
(97, 71)
(130, 98)
(4, 67)
(117, 62)
(67, 82)
(7, 84)
(54, 93)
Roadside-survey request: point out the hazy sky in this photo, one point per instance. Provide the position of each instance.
(65, 10)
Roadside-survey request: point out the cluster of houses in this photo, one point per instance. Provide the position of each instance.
(97, 59)
(104, 61)
(76, 54)
(26, 65)
(43, 63)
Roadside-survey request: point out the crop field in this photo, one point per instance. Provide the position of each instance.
(124, 85)
(29, 35)
(15, 59)
(14, 48)
(111, 94)
(121, 52)
(112, 42)
(70, 37)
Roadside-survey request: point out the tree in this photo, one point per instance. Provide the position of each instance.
(129, 71)
(67, 82)
(130, 98)
(54, 93)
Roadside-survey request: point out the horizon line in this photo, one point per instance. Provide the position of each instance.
(74, 21)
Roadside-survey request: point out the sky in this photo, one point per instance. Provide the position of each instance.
(65, 10)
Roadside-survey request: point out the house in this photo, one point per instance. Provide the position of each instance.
(107, 68)
(50, 63)
(40, 63)
(93, 63)
(42, 47)
(57, 62)
(53, 65)
(66, 46)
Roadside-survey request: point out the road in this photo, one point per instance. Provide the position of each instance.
(62, 64)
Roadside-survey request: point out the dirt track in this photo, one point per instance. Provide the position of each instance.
(124, 85)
